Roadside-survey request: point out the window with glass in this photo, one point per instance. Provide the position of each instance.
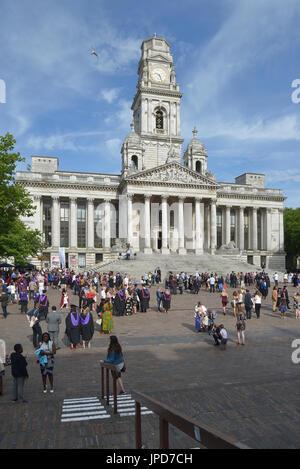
(64, 224)
(81, 224)
(159, 120)
(81, 260)
(47, 215)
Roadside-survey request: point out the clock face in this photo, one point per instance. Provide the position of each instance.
(158, 74)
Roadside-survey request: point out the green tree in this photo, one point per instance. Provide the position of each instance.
(16, 239)
(292, 231)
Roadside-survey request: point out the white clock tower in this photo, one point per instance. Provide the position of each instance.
(156, 108)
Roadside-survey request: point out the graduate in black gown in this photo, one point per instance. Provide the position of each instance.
(119, 303)
(73, 327)
(86, 327)
(166, 300)
(144, 296)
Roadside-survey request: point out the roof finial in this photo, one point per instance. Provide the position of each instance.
(132, 126)
(154, 34)
(195, 132)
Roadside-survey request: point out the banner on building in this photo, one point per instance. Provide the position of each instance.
(62, 257)
(55, 263)
(73, 261)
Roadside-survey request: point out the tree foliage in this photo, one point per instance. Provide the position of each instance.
(16, 240)
(292, 231)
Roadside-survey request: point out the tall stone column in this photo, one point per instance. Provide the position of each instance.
(268, 229)
(281, 230)
(164, 210)
(129, 218)
(199, 227)
(227, 224)
(262, 229)
(55, 221)
(107, 235)
(147, 225)
(241, 229)
(213, 226)
(181, 239)
(73, 222)
(254, 228)
(90, 222)
(37, 215)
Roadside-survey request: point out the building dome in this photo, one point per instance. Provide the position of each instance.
(195, 146)
(133, 139)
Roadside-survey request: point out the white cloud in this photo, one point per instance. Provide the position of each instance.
(110, 95)
(277, 129)
(283, 175)
(114, 146)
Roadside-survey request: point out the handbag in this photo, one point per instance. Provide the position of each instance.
(99, 321)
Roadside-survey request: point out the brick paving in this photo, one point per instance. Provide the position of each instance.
(250, 393)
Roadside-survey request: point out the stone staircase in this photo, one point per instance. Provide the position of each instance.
(189, 263)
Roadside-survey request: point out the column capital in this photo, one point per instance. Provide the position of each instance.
(164, 198)
(198, 199)
(130, 196)
(181, 198)
(73, 199)
(90, 199)
(37, 197)
(55, 197)
(147, 196)
(107, 201)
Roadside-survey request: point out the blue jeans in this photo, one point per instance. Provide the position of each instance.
(4, 311)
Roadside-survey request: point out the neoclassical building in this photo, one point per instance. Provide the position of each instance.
(160, 202)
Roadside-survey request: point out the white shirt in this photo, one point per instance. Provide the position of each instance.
(223, 333)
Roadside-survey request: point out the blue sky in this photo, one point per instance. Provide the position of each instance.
(235, 61)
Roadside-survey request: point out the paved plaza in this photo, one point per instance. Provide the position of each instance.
(250, 393)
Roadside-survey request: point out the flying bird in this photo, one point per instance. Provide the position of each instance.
(94, 53)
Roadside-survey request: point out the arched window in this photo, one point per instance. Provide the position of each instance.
(134, 162)
(159, 120)
(198, 166)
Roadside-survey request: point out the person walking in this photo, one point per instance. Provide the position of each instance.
(87, 327)
(224, 297)
(248, 304)
(23, 298)
(4, 302)
(241, 326)
(46, 351)
(297, 305)
(53, 321)
(234, 302)
(257, 303)
(107, 317)
(19, 373)
(274, 298)
(115, 357)
(166, 300)
(73, 327)
(159, 297)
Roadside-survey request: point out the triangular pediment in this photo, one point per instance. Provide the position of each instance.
(159, 58)
(172, 173)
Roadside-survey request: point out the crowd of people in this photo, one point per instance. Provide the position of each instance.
(101, 296)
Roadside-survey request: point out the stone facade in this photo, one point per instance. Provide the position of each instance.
(157, 204)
